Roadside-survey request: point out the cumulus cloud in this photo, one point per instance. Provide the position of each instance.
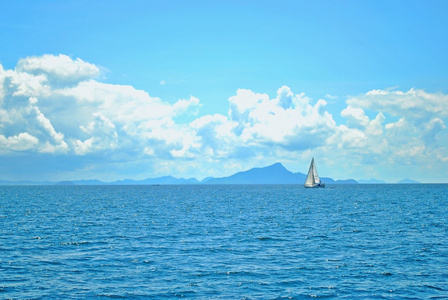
(357, 119)
(58, 70)
(55, 105)
(288, 120)
(20, 142)
(414, 104)
(431, 129)
(101, 133)
(261, 128)
(417, 137)
(421, 114)
(26, 128)
(409, 129)
(57, 100)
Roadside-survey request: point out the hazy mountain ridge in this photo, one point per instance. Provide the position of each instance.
(407, 181)
(273, 174)
(371, 181)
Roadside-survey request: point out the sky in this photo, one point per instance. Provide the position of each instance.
(111, 90)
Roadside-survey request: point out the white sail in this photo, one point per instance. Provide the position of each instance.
(316, 176)
(312, 179)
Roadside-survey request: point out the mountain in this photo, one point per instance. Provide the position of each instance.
(327, 180)
(407, 181)
(371, 181)
(65, 183)
(274, 174)
(206, 179)
(148, 181)
(158, 180)
(25, 182)
(346, 181)
(89, 182)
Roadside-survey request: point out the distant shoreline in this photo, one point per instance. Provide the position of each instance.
(273, 174)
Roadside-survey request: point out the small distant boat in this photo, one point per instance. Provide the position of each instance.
(312, 179)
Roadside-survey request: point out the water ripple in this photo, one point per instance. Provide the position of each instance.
(202, 242)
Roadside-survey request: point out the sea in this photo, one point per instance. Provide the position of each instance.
(387, 241)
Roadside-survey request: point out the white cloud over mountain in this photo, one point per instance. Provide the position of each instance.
(56, 105)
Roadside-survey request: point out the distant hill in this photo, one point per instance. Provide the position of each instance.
(148, 181)
(329, 180)
(158, 180)
(273, 174)
(25, 182)
(206, 179)
(371, 181)
(346, 181)
(88, 182)
(408, 181)
(65, 183)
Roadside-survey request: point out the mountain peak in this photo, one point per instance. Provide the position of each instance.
(273, 174)
(277, 165)
(407, 180)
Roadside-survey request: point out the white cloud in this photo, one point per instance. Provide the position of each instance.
(54, 105)
(58, 70)
(21, 142)
(216, 137)
(184, 105)
(431, 129)
(102, 136)
(27, 85)
(24, 120)
(79, 115)
(288, 120)
(421, 113)
(417, 138)
(56, 99)
(414, 104)
(356, 118)
(121, 104)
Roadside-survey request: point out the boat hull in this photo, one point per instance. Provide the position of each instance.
(315, 186)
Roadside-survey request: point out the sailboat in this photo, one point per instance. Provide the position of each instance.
(312, 179)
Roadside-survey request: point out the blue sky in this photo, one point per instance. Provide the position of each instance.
(137, 89)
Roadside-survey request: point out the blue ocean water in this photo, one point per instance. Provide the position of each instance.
(229, 242)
